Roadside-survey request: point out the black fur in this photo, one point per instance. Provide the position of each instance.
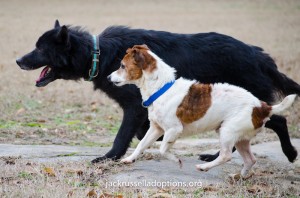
(207, 57)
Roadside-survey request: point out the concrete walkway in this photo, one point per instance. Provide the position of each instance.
(268, 154)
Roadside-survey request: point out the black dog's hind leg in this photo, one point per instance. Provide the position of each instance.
(130, 124)
(209, 158)
(278, 124)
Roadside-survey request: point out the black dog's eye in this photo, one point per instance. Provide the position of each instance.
(122, 66)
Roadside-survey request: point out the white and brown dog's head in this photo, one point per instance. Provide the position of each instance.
(134, 65)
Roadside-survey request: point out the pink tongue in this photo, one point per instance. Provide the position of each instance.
(44, 71)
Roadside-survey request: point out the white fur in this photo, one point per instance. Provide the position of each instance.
(231, 111)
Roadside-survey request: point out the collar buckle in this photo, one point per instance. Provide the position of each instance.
(96, 51)
(93, 76)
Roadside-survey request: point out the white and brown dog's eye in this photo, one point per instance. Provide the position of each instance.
(122, 66)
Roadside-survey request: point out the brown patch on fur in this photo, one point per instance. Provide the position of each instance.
(259, 114)
(195, 104)
(136, 60)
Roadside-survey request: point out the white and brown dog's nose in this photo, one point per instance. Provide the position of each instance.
(116, 79)
(109, 78)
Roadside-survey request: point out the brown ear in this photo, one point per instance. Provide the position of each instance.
(128, 51)
(142, 47)
(138, 57)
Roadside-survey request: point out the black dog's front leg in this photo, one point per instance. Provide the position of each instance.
(132, 120)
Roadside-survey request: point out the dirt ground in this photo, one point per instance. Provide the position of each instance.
(57, 114)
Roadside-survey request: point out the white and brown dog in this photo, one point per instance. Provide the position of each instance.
(185, 107)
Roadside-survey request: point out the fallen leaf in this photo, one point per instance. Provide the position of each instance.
(73, 171)
(209, 189)
(234, 177)
(79, 172)
(20, 134)
(106, 195)
(163, 190)
(254, 189)
(148, 156)
(10, 159)
(49, 171)
(20, 111)
(161, 195)
(99, 171)
(88, 118)
(70, 193)
(259, 188)
(92, 193)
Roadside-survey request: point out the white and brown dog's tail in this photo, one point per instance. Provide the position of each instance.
(262, 114)
(286, 103)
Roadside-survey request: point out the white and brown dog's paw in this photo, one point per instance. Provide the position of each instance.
(127, 160)
(201, 167)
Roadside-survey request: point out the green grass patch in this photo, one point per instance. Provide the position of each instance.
(95, 144)
(134, 143)
(31, 104)
(67, 155)
(74, 122)
(189, 155)
(198, 192)
(33, 124)
(113, 128)
(8, 124)
(76, 184)
(25, 175)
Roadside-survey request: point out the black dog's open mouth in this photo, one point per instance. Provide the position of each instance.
(45, 78)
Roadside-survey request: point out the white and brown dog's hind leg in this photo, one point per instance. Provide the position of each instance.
(153, 133)
(170, 136)
(227, 143)
(243, 148)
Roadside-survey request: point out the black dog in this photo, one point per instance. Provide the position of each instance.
(207, 57)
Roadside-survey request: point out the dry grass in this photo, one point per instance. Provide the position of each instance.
(57, 114)
(27, 178)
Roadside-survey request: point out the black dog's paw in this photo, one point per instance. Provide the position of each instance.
(99, 159)
(104, 159)
(291, 154)
(207, 157)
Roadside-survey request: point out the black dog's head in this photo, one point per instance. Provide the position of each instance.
(53, 50)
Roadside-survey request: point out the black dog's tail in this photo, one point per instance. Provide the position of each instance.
(283, 84)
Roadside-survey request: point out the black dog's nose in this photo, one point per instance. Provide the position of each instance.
(18, 61)
(109, 78)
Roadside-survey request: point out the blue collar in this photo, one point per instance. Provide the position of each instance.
(157, 94)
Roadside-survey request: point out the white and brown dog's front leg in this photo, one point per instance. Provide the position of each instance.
(170, 136)
(151, 136)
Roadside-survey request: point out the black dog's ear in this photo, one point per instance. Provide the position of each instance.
(56, 25)
(63, 35)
